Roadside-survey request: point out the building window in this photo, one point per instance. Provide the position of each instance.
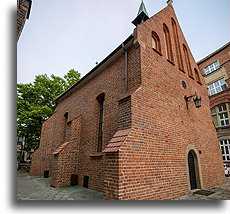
(197, 75)
(220, 115)
(224, 119)
(156, 42)
(217, 87)
(212, 67)
(177, 45)
(224, 145)
(168, 43)
(100, 100)
(67, 136)
(187, 61)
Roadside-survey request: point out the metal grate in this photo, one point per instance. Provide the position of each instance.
(204, 192)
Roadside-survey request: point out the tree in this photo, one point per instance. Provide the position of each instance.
(36, 103)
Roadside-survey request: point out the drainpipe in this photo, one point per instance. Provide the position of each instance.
(126, 67)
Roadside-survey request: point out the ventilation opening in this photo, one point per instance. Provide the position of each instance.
(74, 180)
(86, 181)
(46, 174)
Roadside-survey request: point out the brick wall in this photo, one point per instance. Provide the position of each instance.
(83, 101)
(42, 156)
(153, 160)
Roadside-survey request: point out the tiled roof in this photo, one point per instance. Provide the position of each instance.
(60, 148)
(96, 154)
(117, 140)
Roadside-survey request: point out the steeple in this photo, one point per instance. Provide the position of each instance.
(142, 15)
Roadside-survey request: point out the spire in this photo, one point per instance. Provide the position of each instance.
(142, 15)
(142, 9)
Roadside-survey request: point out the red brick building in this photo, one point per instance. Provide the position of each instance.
(130, 128)
(23, 13)
(215, 69)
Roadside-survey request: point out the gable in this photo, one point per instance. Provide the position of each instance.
(166, 27)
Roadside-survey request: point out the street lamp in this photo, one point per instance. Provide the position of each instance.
(197, 100)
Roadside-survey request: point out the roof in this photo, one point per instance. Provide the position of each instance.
(95, 69)
(60, 148)
(142, 9)
(213, 53)
(117, 140)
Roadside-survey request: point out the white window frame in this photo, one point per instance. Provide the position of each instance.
(225, 152)
(219, 109)
(224, 119)
(217, 86)
(212, 67)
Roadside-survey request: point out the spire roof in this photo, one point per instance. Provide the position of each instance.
(142, 9)
(142, 15)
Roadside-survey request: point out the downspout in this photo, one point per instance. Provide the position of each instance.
(126, 67)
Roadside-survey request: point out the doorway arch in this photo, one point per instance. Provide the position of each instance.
(193, 169)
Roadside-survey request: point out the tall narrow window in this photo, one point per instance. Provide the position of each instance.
(177, 45)
(67, 136)
(156, 45)
(168, 43)
(100, 99)
(187, 61)
(197, 75)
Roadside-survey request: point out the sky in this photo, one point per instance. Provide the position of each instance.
(61, 35)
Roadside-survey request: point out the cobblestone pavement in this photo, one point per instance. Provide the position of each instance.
(38, 188)
(221, 192)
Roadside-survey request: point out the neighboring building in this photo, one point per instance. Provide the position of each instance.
(22, 154)
(23, 13)
(19, 147)
(133, 127)
(215, 69)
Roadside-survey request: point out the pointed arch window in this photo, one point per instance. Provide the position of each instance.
(156, 44)
(100, 99)
(67, 133)
(177, 45)
(197, 76)
(187, 61)
(168, 43)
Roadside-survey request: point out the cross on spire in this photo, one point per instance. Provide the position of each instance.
(169, 2)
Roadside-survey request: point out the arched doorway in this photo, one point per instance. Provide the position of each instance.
(193, 170)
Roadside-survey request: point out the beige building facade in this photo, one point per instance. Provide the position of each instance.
(215, 70)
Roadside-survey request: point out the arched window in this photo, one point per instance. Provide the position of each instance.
(156, 42)
(100, 99)
(177, 45)
(197, 75)
(67, 134)
(187, 61)
(168, 43)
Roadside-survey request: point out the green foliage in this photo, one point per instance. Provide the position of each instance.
(36, 103)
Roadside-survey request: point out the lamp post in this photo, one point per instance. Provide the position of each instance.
(197, 100)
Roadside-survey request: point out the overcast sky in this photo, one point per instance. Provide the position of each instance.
(61, 35)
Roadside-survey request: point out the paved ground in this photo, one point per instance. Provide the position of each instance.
(220, 192)
(38, 188)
